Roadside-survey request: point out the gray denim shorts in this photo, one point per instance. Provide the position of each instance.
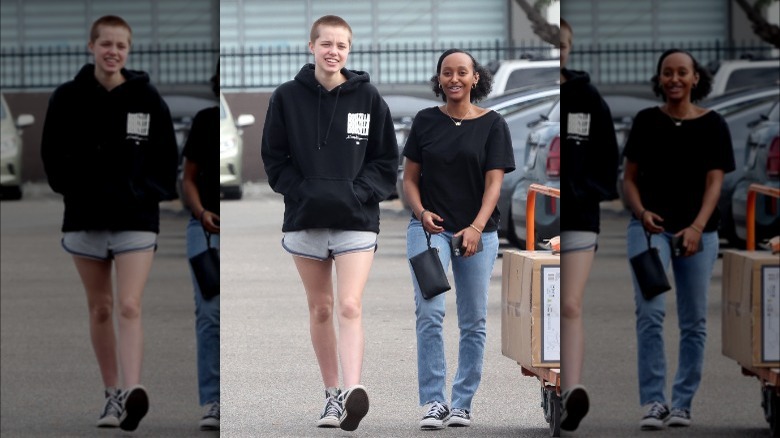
(104, 245)
(574, 241)
(325, 243)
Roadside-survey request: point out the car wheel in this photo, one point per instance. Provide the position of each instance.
(232, 192)
(13, 193)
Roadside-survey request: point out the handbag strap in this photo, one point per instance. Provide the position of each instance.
(647, 235)
(208, 238)
(427, 237)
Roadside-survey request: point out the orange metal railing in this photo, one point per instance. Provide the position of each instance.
(750, 219)
(530, 211)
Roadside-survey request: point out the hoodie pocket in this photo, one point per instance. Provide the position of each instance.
(328, 203)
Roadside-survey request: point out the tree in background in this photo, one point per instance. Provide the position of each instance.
(547, 31)
(755, 13)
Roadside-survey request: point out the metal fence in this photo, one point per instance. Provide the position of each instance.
(267, 67)
(636, 63)
(48, 67)
(263, 67)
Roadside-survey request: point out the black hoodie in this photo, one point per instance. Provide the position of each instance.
(332, 154)
(590, 153)
(112, 154)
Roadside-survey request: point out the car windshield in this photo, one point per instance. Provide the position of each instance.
(555, 113)
(529, 76)
(774, 114)
(2, 112)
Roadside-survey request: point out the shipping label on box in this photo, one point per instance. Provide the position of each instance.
(530, 318)
(751, 308)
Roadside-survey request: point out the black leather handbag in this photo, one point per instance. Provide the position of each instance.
(205, 266)
(429, 272)
(649, 272)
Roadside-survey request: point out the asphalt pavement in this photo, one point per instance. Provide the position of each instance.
(271, 385)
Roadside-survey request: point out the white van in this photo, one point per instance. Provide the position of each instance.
(519, 73)
(744, 73)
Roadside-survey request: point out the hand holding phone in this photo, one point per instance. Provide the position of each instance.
(678, 249)
(458, 249)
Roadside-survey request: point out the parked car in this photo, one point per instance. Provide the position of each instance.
(736, 74)
(518, 73)
(519, 107)
(762, 166)
(542, 166)
(231, 149)
(11, 151)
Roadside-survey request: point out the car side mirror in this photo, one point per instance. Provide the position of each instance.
(245, 120)
(24, 120)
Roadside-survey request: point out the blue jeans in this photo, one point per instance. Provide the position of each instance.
(206, 321)
(472, 279)
(691, 281)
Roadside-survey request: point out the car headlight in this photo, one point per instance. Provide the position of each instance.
(227, 145)
(9, 146)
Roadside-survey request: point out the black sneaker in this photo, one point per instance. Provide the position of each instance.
(354, 401)
(331, 414)
(437, 416)
(210, 419)
(575, 406)
(654, 419)
(679, 418)
(112, 410)
(459, 418)
(135, 404)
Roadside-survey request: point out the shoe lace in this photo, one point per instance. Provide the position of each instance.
(436, 410)
(332, 408)
(112, 406)
(213, 410)
(656, 410)
(457, 412)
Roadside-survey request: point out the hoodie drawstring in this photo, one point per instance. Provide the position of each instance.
(332, 116)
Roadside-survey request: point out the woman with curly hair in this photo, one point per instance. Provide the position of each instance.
(676, 156)
(456, 157)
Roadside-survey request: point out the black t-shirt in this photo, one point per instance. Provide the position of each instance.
(454, 160)
(202, 148)
(673, 162)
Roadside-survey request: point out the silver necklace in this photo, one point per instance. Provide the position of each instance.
(677, 122)
(457, 123)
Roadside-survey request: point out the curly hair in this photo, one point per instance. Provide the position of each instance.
(484, 85)
(702, 88)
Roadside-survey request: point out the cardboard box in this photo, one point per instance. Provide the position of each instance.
(530, 316)
(751, 308)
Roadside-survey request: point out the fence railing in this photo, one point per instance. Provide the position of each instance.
(48, 67)
(267, 67)
(409, 63)
(636, 63)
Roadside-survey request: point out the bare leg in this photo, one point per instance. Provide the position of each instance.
(96, 278)
(351, 276)
(318, 281)
(577, 266)
(132, 272)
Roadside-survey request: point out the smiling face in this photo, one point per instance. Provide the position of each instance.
(677, 77)
(331, 48)
(110, 49)
(457, 76)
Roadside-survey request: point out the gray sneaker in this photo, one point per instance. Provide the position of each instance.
(436, 417)
(655, 417)
(679, 418)
(575, 406)
(112, 410)
(331, 414)
(210, 420)
(459, 418)
(135, 404)
(354, 401)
